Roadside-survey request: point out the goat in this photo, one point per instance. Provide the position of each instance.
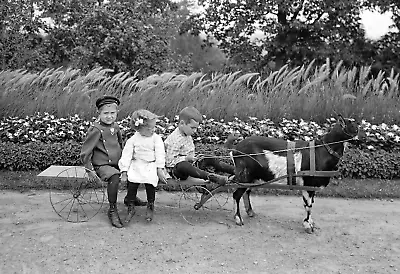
(264, 158)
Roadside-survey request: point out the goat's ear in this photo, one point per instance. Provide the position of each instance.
(341, 121)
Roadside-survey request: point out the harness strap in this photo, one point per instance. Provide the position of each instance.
(316, 173)
(291, 179)
(312, 157)
(331, 151)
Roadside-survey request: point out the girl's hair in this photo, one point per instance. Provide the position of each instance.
(141, 118)
(190, 113)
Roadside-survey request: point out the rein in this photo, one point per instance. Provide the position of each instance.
(330, 150)
(275, 151)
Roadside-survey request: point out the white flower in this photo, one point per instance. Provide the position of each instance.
(138, 122)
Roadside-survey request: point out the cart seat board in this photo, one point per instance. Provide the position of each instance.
(63, 172)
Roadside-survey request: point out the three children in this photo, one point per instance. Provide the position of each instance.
(143, 158)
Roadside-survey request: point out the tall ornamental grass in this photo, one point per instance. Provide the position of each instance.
(309, 92)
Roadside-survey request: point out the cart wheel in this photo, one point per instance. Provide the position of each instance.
(77, 199)
(221, 198)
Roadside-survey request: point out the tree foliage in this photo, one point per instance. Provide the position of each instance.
(254, 35)
(261, 33)
(119, 34)
(388, 47)
(20, 35)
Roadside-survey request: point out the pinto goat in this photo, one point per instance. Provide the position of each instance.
(263, 158)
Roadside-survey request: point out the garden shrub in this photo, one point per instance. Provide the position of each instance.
(38, 141)
(356, 163)
(380, 164)
(47, 128)
(37, 155)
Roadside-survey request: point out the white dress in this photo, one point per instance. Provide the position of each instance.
(141, 157)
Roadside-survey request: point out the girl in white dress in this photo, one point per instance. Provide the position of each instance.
(143, 160)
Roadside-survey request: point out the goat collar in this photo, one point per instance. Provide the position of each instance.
(331, 151)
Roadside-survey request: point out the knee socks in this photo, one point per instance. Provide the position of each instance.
(132, 191)
(112, 188)
(151, 193)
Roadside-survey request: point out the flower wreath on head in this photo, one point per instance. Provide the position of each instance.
(139, 121)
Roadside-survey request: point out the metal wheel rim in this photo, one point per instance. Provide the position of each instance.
(82, 200)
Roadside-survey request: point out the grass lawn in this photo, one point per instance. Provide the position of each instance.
(343, 188)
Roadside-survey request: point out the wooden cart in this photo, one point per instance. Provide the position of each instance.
(77, 199)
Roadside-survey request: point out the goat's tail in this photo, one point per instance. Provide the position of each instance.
(230, 140)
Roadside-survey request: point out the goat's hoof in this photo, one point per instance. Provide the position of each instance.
(250, 213)
(308, 227)
(309, 230)
(239, 221)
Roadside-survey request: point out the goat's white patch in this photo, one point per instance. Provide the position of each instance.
(278, 166)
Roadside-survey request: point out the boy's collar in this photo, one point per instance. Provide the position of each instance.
(104, 124)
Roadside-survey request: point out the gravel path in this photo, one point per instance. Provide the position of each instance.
(354, 236)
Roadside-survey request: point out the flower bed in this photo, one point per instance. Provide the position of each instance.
(35, 142)
(47, 128)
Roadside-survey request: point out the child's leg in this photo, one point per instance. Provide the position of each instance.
(112, 192)
(132, 192)
(218, 165)
(151, 196)
(133, 197)
(185, 169)
(150, 192)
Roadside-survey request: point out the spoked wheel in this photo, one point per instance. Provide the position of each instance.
(190, 199)
(77, 199)
(221, 198)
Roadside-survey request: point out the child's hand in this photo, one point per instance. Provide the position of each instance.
(123, 177)
(191, 158)
(161, 173)
(92, 176)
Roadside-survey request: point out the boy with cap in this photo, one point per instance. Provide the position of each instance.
(143, 160)
(180, 151)
(102, 150)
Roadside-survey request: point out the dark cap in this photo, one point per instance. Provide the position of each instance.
(105, 100)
